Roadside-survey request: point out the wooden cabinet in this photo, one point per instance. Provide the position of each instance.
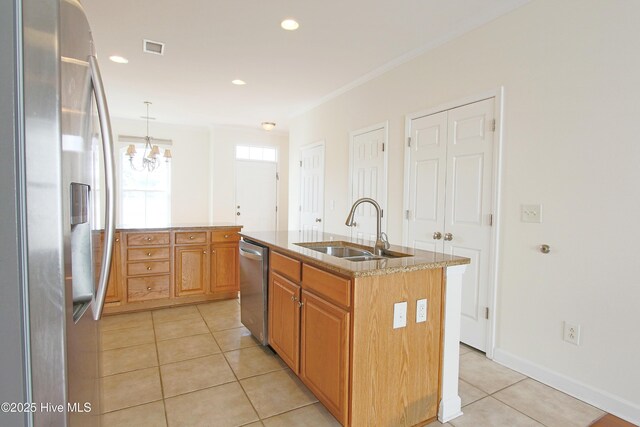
(324, 353)
(309, 328)
(225, 268)
(114, 287)
(284, 319)
(336, 333)
(161, 268)
(191, 270)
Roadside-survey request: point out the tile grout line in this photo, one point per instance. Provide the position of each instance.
(155, 340)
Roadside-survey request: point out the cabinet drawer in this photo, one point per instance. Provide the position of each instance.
(225, 236)
(147, 239)
(142, 268)
(140, 254)
(286, 266)
(185, 237)
(147, 288)
(335, 288)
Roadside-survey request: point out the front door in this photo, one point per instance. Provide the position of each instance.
(312, 189)
(451, 198)
(256, 201)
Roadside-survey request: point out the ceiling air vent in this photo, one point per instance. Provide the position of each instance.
(149, 46)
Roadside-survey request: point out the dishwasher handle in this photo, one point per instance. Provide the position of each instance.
(248, 253)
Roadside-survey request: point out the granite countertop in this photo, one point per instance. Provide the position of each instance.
(285, 242)
(220, 225)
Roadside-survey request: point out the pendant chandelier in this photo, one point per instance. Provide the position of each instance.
(151, 155)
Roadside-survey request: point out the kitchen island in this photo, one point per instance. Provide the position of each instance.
(375, 338)
(173, 265)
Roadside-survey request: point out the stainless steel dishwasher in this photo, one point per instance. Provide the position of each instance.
(254, 276)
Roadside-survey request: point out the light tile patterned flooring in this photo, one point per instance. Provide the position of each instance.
(198, 366)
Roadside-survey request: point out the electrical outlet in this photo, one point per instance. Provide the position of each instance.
(399, 315)
(572, 333)
(421, 311)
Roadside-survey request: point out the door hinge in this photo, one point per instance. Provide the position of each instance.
(493, 125)
(381, 213)
(276, 208)
(490, 220)
(277, 176)
(300, 208)
(406, 214)
(409, 141)
(383, 147)
(300, 163)
(486, 313)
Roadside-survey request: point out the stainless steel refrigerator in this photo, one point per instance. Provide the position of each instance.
(55, 200)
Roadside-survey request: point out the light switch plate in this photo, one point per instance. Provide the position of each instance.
(531, 213)
(399, 315)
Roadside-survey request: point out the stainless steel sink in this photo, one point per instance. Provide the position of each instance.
(349, 251)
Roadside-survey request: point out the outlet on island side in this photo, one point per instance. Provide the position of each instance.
(399, 315)
(571, 333)
(421, 311)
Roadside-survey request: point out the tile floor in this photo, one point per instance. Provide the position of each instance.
(198, 366)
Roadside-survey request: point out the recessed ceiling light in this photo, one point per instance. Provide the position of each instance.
(238, 82)
(119, 59)
(289, 24)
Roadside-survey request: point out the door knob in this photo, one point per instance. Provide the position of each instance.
(238, 213)
(318, 219)
(437, 235)
(448, 237)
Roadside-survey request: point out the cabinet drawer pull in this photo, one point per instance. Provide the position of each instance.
(149, 268)
(204, 252)
(226, 236)
(148, 288)
(148, 239)
(117, 239)
(300, 303)
(192, 237)
(148, 253)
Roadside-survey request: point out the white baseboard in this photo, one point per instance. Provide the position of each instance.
(604, 400)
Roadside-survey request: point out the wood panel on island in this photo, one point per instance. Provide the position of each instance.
(173, 266)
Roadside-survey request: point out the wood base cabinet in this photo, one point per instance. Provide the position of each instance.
(324, 353)
(165, 267)
(337, 334)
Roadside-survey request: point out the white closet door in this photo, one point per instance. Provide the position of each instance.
(367, 180)
(427, 181)
(312, 189)
(468, 209)
(450, 194)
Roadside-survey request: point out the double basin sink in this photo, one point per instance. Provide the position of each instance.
(350, 252)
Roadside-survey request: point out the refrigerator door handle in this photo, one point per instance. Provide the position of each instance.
(109, 175)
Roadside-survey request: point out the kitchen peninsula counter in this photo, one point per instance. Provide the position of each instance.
(376, 341)
(286, 242)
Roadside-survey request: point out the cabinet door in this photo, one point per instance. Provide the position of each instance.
(284, 319)
(114, 288)
(324, 353)
(191, 270)
(224, 268)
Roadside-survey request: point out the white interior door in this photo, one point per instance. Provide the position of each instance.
(368, 179)
(468, 210)
(450, 199)
(256, 195)
(312, 189)
(427, 167)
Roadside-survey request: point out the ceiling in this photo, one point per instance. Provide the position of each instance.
(211, 42)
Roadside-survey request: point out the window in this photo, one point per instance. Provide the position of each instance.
(145, 197)
(265, 154)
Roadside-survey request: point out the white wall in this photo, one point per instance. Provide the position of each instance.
(571, 75)
(224, 141)
(190, 165)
